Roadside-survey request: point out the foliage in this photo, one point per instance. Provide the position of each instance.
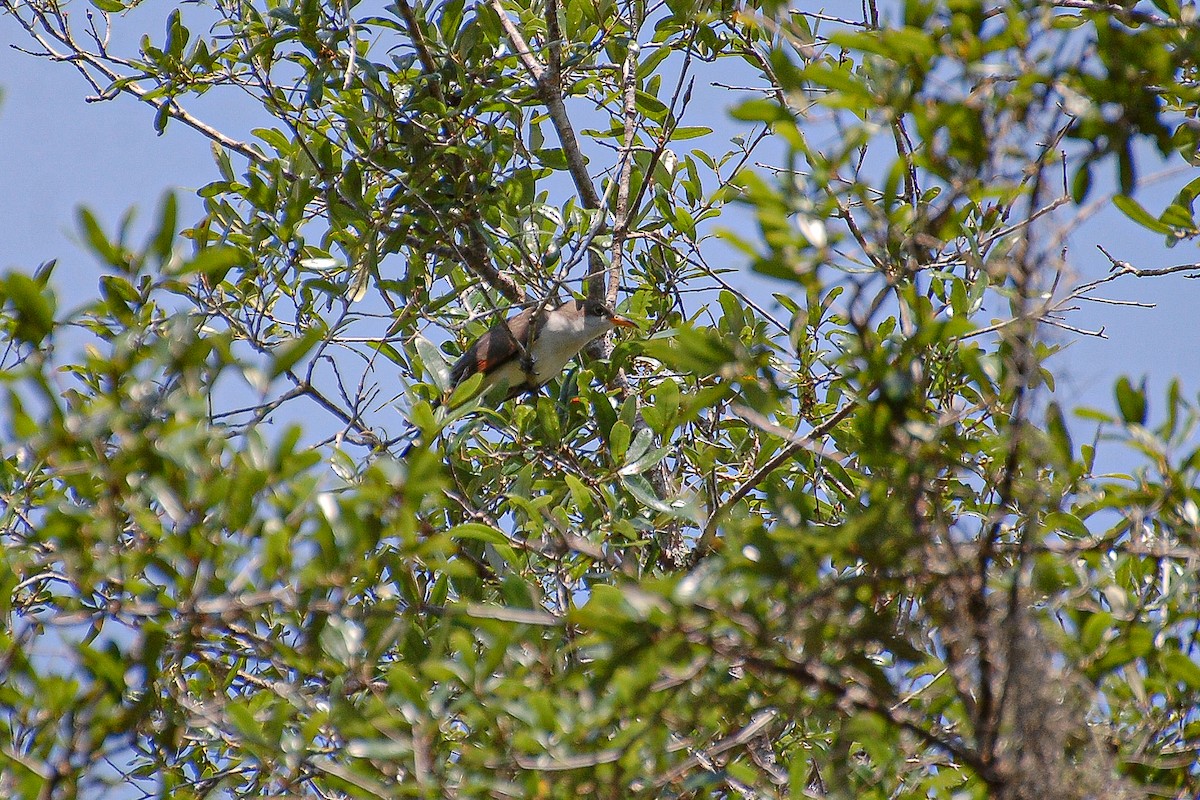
(839, 544)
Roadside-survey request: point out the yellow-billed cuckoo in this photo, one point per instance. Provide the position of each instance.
(525, 351)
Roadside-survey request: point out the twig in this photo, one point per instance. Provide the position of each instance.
(550, 91)
(706, 755)
(1121, 12)
(794, 446)
(81, 58)
(829, 18)
(1124, 267)
(803, 442)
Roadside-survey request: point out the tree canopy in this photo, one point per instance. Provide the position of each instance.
(835, 538)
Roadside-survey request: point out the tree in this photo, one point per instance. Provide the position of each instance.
(839, 544)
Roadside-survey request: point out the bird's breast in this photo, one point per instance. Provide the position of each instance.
(550, 353)
(509, 374)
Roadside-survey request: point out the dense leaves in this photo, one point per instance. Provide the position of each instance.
(820, 531)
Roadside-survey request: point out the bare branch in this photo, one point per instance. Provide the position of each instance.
(624, 174)
(81, 59)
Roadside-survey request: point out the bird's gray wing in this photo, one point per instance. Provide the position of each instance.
(498, 344)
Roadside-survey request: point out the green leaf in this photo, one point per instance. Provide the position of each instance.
(734, 318)
(1094, 632)
(581, 496)
(840, 79)
(164, 238)
(1095, 415)
(641, 444)
(477, 532)
(641, 489)
(547, 416)
(465, 390)
(162, 117)
(650, 105)
(1067, 21)
(666, 400)
(644, 462)
(1064, 522)
(757, 110)
(34, 307)
(702, 351)
(214, 262)
(1134, 643)
(386, 749)
(288, 353)
(360, 281)
(435, 362)
(1179, 218)
(1131, 401)
(1081, 184)
(554, 158)
(618, 441)
(285, 15)
(1132, 209)
(1180, 667)
(1060, 437)
(99, 243)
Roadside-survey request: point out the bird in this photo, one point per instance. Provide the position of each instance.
(512, 355)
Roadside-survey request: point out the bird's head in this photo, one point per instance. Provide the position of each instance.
(600, 318)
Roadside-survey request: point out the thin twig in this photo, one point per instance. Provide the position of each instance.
(81, 58)
(793, 447)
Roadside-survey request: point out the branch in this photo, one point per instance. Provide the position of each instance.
(478, 261)
(1121, 12)
(795, 446)
(859, 695)
(706, 756)
(418, 40)
(803, 442)
(625, 172)
(81, 59)
(550, 90)
(1120, 268)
